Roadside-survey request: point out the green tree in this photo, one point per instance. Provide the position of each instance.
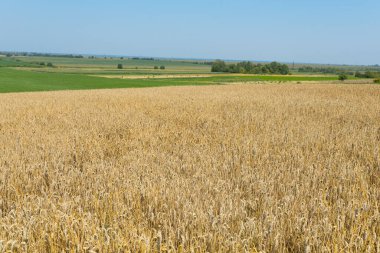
(247, 67)
(162, 67)
(342, 77)
(155, 67)
(219, 66)
(120, 66)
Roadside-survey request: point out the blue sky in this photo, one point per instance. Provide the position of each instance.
(315, 31)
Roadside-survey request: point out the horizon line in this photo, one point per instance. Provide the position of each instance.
(185, 58)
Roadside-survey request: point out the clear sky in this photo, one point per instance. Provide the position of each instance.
(315, 31)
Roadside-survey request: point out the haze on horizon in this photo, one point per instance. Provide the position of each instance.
(329, 32)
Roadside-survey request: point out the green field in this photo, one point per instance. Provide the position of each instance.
(22, 74)
(20, 80)
(101, 65)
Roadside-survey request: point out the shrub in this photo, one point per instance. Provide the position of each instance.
(162, 67)
(120, 66)
(376, 81)
(155, 67)
(342, 77)
(49, 64)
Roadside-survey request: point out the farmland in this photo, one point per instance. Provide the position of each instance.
(218, 168)
(189, 126)
(20, 74)
(217, 162)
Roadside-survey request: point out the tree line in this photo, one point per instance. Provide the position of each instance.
(162, 67)
(247, 67)
(323, 70)
(143, 58)
(367, 74)
(10, 54)
(339, 71)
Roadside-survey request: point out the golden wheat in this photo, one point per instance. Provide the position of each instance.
(239, 168)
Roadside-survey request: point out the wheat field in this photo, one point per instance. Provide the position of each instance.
(235, 168)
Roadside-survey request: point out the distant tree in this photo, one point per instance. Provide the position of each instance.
(162, 67)
(49, 64)
(278, 68)
(155, 67)
(247, 67)
(121, 58)
(120, 66)
(367, 74)
(284, 70)
(244, 67)
(42, 63)
(264, 70)
(219, 66)
(342, 77)
(234, 68)
(8, 55)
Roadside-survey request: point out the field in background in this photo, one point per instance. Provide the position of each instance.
(237, 168)
(101, 65)
(19, 80)
(21, 73)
